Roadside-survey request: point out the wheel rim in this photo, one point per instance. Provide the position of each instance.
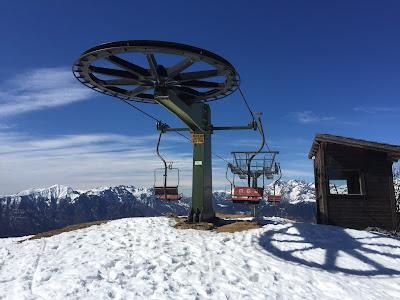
(181, 68)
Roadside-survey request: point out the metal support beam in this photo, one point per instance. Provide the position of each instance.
(176, 129)
(191, 116)
(233, 127)
(197, 117)
(254, 210)
(254, 207)
(202, 209)
(213, 128)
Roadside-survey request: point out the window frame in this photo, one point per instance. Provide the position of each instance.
(361, 181)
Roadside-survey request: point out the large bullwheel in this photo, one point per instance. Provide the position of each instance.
(131, 70)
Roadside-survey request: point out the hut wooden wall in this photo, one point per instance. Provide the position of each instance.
(375, 207)
(320, 193)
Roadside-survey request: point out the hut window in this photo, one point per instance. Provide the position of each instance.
(345, 182)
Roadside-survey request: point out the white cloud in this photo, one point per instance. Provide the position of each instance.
(40, 89)
(85, 161)
(93, 160)
(308, 117)
(4, 126)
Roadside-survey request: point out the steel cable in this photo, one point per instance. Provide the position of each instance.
(248, 107)
(252, 116)
(160, 121)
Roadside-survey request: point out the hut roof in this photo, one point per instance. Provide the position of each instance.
(392, 150)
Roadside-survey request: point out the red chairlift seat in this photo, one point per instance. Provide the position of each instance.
(247, 195)
(274, 198)
(171, 191)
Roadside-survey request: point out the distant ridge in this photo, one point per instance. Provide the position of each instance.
(42, 209)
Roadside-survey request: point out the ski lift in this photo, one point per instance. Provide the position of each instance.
(246, 166)
(165, 191)
(232, 184)
(247, 195)
(276, 198)
(228, 192)
(243, 195)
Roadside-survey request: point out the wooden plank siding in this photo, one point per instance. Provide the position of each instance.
(374, 207)
(320, 192)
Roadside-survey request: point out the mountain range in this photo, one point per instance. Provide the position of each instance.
(43, 209)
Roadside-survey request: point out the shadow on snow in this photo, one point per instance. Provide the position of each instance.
(334, 249)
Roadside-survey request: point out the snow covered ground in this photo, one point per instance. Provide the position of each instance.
(146, 258)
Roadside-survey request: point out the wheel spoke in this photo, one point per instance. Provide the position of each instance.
(153, 64)
(201, 84)
(112, 72)
(120, 82)
(141, 89)
(118, 90)
(130, 67)
(179, 67)
(187, 90)
(116, 69)
(196, 75)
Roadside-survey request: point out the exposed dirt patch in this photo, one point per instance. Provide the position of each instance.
(292, 221)
(181, 223)
(197, 226)
(217, 225)
(222, 216)
(239, 226)
(176, 218)
(65, 229)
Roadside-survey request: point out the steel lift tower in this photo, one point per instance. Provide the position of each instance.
(132, 71)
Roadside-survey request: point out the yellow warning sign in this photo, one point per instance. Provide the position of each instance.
(197, 138)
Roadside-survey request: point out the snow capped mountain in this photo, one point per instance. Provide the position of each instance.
(293, 191)
(37, 210)
(298, 201)
(60, 192)
(338, 189)
(54, 192)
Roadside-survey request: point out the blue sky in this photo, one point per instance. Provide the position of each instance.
(308, 66)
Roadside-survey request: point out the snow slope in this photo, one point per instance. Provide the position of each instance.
(146, 258)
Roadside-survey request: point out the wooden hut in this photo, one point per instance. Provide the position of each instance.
(354, 182)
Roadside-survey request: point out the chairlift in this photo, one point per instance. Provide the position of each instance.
(247, 195)
(228, 192)
(166, 191)
(242, 194)
(247, 166)
(232, 184)
(274, 199)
